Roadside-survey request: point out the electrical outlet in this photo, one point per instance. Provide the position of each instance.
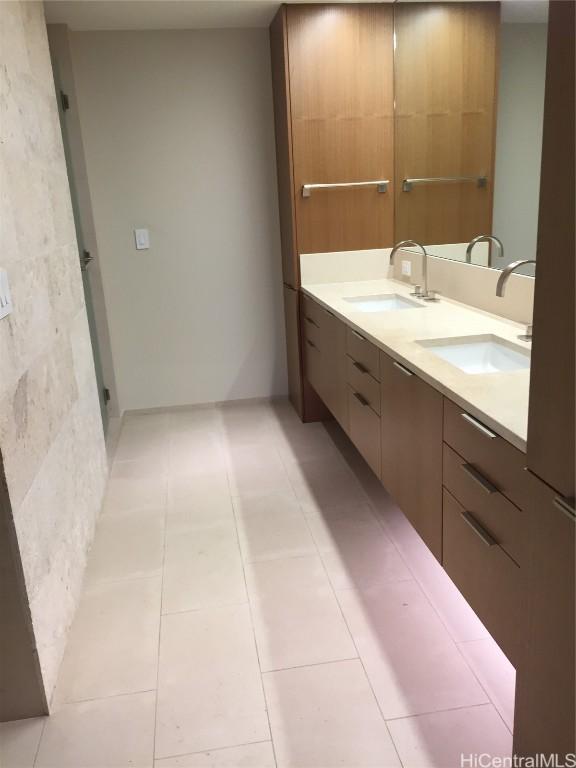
(407, 268)
(6, 305)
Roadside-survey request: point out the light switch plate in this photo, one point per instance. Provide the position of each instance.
(142, 238)
(407, 268)
(6, 305)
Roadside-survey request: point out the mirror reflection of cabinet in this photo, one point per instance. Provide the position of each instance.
(446, 69)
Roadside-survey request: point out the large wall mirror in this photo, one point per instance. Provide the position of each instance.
(469, 83)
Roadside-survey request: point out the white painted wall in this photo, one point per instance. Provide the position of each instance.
(519, 138)
(178, 135)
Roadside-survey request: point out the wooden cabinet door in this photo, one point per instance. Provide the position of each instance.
(341, 100)
(545, 713)
(283, 132)
(445, 69)
(552, 384)
(411, 423)
(334, 348)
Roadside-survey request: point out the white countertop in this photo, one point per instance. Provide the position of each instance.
(499, 400)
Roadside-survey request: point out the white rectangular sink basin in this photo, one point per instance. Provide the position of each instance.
(383, 302)
(480, 354)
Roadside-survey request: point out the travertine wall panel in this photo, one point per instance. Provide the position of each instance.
(51, 437)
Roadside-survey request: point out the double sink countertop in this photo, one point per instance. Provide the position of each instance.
(499, 400)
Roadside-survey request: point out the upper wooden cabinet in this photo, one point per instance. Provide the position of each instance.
(552, 379)
(446, 69)
(333, 76)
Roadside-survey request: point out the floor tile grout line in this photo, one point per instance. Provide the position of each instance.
(70, 702)
(155, 724)
(439, 615)
(359, 658)
(309, 664)
(252, 625)
(213, 749)
(439, 711)
(481, 684)
(37, 752)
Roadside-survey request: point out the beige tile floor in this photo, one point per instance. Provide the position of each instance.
(254, 599)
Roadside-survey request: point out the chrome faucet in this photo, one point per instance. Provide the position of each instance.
(426, 294)
(485, 239)
(501, 285)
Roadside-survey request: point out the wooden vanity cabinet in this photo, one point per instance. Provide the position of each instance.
(485, 534)
(545, 714)
(411, 440)
(325, 357)
(551, 416)
(364, 397)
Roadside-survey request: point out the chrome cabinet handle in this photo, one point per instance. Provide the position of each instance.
(401, 368)
(479, 426)
(312, 322)
(480, 181)
(479, 478)
(380, 184)
(310, 344)
(361, 399)
(481, 532)
(360, 367)
(358, 335)
(564, 506)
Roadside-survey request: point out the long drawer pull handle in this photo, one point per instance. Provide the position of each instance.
(361, 399)
(310, 344)
(479, 426)
(404, 370)
(312, 322)
(358, 335)
(564, 506)
(478, 478)
(360, 367)
(481, 532)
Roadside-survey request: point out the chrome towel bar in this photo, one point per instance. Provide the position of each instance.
(480, 181)
(381, 186)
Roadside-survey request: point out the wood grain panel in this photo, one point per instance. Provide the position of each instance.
(283, 131)
(546, 678)
(551, 420)
(341, 90)
(490, 581)
(446, 67)
(411, 421)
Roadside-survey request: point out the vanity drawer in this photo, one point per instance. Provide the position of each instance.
(311, 312)
(487, 577)
(314, 366)
(502, 519)
(364, 430)
(497, 460)
(363, 352)
(363, 383)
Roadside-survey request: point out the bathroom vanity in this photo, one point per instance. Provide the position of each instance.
(385, 132)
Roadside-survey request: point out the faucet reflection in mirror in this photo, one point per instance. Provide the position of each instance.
(425, 294)
(485, 239)
(501, 287)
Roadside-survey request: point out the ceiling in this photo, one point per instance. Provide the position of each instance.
(205, 14)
